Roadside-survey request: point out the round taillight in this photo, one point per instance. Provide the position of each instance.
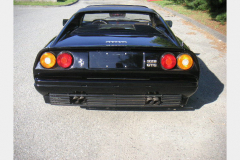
(64, 60)
(168, 61)
(185, 61)
(48, 60)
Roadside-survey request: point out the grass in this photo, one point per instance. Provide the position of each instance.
(203, 17)
(32, 3)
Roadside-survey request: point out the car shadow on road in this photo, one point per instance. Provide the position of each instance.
(209, 89)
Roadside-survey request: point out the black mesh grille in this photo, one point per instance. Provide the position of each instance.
(85, 100)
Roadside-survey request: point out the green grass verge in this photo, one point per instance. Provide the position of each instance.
(204, 17)
(164, 3)
(59, 2)
(177, 7)
(201, 16)
(198, 15)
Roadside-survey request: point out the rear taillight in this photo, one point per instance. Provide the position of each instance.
(168, 61)
(48, 60)
(64, 60)
(185, 61)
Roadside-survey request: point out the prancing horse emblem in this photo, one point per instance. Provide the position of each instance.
(81, 62)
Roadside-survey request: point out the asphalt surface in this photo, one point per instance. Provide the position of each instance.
(42, 131)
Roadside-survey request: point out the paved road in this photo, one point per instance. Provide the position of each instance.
(42, 131)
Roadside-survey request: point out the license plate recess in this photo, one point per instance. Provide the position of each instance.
(116, 60)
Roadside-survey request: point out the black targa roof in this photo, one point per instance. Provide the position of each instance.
(132, 8)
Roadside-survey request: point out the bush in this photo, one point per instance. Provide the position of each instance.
(197, 4)
(221, 17)
(178, 1)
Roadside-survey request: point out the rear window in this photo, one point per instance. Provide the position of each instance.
(116, 16)
(119, 23)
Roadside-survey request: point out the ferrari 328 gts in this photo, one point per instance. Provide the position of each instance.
(117, 56)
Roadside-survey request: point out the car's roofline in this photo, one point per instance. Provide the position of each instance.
(114, 8)
(132, 8)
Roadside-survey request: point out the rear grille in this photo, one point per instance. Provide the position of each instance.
(115, 100)
(85, 100)
(59, 99)
(169, 100)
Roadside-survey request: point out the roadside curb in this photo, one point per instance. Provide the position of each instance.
(206, 28)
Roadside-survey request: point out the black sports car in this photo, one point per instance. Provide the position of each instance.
(114, 57)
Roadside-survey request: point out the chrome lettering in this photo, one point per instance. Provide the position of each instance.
(116, 41)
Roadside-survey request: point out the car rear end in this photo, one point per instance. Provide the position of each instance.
(117, 78)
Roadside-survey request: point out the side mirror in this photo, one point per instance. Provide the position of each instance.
(169, 22)
(64, 21)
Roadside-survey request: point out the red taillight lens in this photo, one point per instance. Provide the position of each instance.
(168, 61)
(64, 60)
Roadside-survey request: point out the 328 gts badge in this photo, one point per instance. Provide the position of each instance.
(151, 63)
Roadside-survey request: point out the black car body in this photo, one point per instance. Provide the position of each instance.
(117, 56)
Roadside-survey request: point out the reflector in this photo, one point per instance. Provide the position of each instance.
(48, 60)
(168, 61)
(64, 60)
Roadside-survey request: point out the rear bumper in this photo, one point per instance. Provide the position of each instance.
(116, 93)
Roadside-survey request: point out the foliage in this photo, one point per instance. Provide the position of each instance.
(217, 8)
(221, 17)
(197, 4)
(178, 1)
